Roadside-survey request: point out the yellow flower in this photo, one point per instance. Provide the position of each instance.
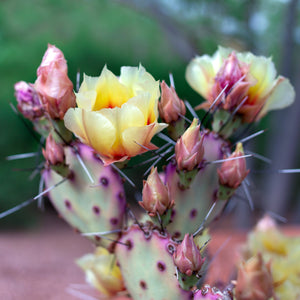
(117, 116)
(249, 78)
(102, 271)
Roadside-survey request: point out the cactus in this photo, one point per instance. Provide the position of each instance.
(146, 262)
(89, 208)
(164, 256)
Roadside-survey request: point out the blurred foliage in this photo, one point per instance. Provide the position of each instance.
(92, 33)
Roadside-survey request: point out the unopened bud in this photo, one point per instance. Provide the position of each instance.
(53, 84)
(54, 152)
(187, 256)
(156, 197)
(170, 106)
(189, 148)
(254, 280)
(233, 171)
(29, 103)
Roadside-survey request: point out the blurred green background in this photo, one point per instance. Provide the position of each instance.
(163, 35)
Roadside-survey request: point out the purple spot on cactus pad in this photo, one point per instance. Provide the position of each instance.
(173, 213)
(97, 238)
(193, 213)
(170, 248)
(161, 266)
(143, 285)
(96, 210)
(176, 235)
(129, 244)
(68, 204)
(114, 221)
(104, 181)
(147, 234)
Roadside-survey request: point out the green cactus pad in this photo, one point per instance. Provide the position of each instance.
(87, 207)
(147, 265)
(193, 203)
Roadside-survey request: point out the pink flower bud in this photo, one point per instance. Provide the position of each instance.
(254, 280)
(170, 106)
(187, 256)
(189, 148)
(156, 198)
(233, 171)
(53, 84)
(54, 153)
(29, 103)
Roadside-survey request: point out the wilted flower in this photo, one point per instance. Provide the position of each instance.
(116, 116)
(170, 106)
(189, 148)
(233, 171)
(187, 256)
(156, 197)
(102, 271)
(53, 84)
(254, 280)
(251, 82)
(54, 152)
(29, 103)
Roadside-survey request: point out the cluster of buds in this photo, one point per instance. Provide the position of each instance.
(29, 103)
(156, 196)
(53, 84)
(232, 77)
(254, 280)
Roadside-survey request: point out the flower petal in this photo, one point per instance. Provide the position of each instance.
(133, 137)
(281, 95)
(110, 92)
(200, 75)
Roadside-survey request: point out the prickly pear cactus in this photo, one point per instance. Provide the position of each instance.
(193, 203)
(146, 263)
(88, 207)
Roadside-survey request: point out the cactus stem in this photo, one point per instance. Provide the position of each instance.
(23, 155)
(211, 106)
(248, 195)
(123, 175)
(101, 233)
(249, 137)
(202, 225)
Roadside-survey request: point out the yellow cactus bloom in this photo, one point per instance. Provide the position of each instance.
(102, 271)
(116, 116)
(248, 80)
(284, 254)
